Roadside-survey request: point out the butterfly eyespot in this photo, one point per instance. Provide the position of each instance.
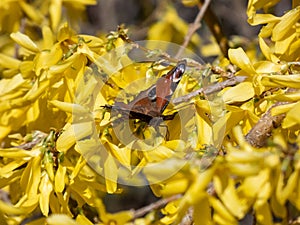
(179, 70)
(176, 79)
(152, 94)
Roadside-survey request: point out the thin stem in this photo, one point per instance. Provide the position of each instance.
(193, 27)
(156, 205)
(210, 89)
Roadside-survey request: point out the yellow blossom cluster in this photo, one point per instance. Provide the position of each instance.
(61, 150)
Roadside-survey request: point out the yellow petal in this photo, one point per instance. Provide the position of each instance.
(64, 32)
(266, 31)
(158, 172)
(282, 109)
(45, 189)
(294, 47)
(79, 165)
(239, 93)
(111, 174)
(24, 41)
(244, 169)
(31, 177)
(9, 209)
(47, 58)
(282, 46)
(55, 11)
(9, 62)
(82, 220)
(267, 67)
(92, 42)
(204, 129)
(238, 156)
(172, 187)
(265, 48)
(202, 212)
(60, 178)
(67, 139)
(222, 212)
(231, 200)
(263, 214)
(60, 68)
(292, 81)
(83, 130)
(10, 167)
(32, 12)
(239, 58)
(252, 185)
(257, 19)
(120, 217)
(158, 154)
(16, 153)
(26, 69)
(48, 38)
(190, 3)
(292, 117)
(123, 155)
(60, 219)
(289, 188)
(70, 107)
(291, 97)
(286, 24)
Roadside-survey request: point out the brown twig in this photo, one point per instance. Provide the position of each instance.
(156, 205)
(193, 27)
(259, 133)
(210, 89)
(188, 218)
(215, 27)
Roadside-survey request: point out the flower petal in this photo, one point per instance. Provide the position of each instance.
(239, 58)
(24, 41)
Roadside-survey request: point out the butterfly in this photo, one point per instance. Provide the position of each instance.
(150, 104)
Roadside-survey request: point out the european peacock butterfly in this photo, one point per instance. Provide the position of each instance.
(151, 103)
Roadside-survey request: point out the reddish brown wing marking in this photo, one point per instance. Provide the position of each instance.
(140, 105)
(167, 84)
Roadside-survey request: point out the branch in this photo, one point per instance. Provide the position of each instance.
(210, 89)
(193, 27)
(215, 27)
(156, 205)
(259, 133)
(188, 218)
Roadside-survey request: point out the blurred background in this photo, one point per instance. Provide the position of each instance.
(151, 19)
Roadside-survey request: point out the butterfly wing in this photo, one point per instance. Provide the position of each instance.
(140, 108)
(167, 84)
(152, 102)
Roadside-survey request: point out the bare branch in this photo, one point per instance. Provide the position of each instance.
(210, 89)
(188, 218)
(156, 205)
(259, 133)
(216, 29)
(193, 27)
